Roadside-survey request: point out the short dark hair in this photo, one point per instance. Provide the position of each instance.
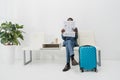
(70, 19)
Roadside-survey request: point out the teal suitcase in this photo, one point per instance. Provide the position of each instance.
(87, 58)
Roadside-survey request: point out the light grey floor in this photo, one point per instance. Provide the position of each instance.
(52, 70)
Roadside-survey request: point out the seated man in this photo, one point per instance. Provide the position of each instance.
(70, 43)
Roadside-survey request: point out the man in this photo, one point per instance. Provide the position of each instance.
(70, 43)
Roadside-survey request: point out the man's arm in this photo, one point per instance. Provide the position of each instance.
(62, 31)
(76, 33)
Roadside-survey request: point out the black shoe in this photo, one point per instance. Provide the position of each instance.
(74, 62)
(66, 68)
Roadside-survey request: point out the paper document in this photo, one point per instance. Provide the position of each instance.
(69, 26)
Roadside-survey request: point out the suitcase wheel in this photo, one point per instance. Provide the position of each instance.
(82, 70)
(95, 69)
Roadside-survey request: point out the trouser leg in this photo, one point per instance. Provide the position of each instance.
(70, 47)
(67, 55)
(69, 50)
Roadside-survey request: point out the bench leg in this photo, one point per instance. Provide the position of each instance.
(99, 58)
(25, 61)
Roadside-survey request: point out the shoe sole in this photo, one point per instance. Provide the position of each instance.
(66, 70)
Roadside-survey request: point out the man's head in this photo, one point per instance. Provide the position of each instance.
(70, 19)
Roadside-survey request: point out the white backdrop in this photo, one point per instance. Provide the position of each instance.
(102, 16)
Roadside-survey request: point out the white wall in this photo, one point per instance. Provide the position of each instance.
(102, 16)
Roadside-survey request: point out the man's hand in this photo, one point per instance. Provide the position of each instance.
(62, 31)
(75, 30)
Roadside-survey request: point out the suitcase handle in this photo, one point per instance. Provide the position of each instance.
(86, 45)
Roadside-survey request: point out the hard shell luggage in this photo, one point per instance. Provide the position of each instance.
(87, 58)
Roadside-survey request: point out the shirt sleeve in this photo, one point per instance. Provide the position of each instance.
(63, 37)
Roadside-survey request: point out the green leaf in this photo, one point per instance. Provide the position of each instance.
(3, 41)
(21, 37)
(19, 26)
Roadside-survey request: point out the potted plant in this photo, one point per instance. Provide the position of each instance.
(10, 35)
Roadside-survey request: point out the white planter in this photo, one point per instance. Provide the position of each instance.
(7, 54)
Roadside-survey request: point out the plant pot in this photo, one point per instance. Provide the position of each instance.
(7, 54)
